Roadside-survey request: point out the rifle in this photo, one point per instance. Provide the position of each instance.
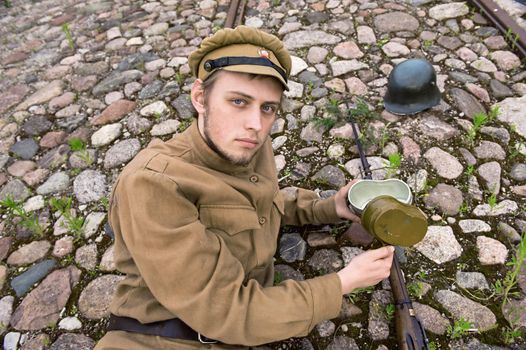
(409, 330)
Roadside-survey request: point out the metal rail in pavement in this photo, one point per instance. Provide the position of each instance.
(514, 34)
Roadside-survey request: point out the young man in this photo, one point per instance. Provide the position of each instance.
(197, 218)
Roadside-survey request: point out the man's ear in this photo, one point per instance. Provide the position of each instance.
(198, 96)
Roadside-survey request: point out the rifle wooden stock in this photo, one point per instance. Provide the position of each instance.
(409, 330)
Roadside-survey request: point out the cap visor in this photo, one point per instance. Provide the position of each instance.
(260, 70)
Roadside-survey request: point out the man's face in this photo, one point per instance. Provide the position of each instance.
(236, 117)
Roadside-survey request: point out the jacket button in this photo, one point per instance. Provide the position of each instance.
(254, 179)
(262, 220)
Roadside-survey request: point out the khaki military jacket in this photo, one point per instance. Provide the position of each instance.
(196, 235)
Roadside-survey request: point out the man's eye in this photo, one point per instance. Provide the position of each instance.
(238, 101)
(268, 109)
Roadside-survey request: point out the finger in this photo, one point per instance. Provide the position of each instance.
(384, 252)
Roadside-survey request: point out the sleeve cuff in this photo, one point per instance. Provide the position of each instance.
(325, 211)
(327, 297)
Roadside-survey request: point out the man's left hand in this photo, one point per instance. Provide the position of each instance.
(342, 209)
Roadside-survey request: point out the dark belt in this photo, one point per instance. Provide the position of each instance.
(172, 328)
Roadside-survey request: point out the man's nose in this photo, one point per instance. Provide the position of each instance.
(253, 119)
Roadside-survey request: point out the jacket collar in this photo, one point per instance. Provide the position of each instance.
(211, 159)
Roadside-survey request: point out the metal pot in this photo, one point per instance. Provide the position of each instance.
(394, 222)
(387, 212)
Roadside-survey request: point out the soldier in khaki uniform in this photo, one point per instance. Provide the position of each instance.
(197, 218)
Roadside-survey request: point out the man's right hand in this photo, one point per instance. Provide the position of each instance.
(366, 269)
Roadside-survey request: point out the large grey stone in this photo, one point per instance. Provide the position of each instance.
(502, 208)
(95, 299)
(466, 102)
(439, 244)
(490, 174)
(395, 22)
(446, 198)
(89, 186)
(461, 307)
(512, 112)
(433, 127)
(444, 163)
(16, 190)
(432, 319)
(332, 175)
(121, 153)
(56, 183)
(307, 38)
(115, 80)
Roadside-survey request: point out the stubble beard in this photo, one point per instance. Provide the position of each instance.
(240, 160)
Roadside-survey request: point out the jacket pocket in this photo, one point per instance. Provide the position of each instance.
(231, 219)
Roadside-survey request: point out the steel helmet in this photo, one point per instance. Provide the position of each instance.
(411, 87)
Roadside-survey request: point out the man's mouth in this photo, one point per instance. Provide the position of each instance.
(247, 142)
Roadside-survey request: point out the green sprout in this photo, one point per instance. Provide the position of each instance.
(390, 311)
(504, 288)
(380, 43)
(69, 38)
(510, 334)
(416, 289)
(29, 220)
(395, 160)
(79, 147)
(511, 38)
(479, 120)
(357, 293)
(72, 223)
(493, 113)
(492, 200)
(459, 329)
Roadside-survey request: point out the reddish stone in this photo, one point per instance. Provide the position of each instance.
(3, 178)
(12, 96)
(12, 72)
(82, 133)
(357, 235)
(116, 111)
(35, 177)
(53, 139)
(149, 77)
(41, 308)
(5, 245)
(318, 7)
(348, 49)
(83, 83)
(34, 45)
(57, 72)
(14, 57)
(61, 101)
(21, 167)
(411, 149)
(60, 20)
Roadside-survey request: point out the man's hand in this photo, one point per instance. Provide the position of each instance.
(367, 269)
(342, 209)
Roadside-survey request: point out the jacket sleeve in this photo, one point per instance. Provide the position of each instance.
(193, 274)
(304, 207)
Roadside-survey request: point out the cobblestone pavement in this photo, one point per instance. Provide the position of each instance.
(84, 85)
